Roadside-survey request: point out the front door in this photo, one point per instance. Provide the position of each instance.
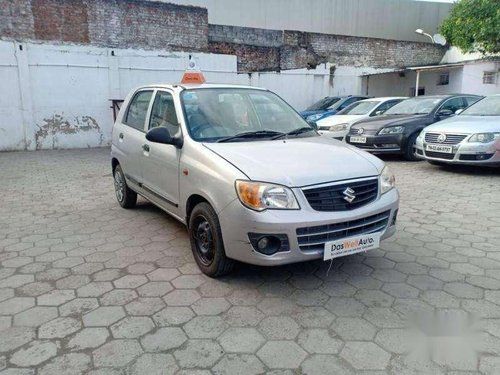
(160, 162)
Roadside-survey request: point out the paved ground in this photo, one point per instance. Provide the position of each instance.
(87, 287)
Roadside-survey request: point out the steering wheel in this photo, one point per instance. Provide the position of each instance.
(197, 129)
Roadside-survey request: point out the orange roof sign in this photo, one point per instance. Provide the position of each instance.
(192, 75)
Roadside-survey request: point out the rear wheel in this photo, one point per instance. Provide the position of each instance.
(126, 197)
(206, 241)
(411, 152)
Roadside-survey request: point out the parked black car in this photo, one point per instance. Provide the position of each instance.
(396, 131)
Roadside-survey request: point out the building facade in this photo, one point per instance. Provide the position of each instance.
(62, 61)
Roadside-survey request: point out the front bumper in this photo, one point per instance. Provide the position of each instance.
(379, 144)
(340, 135)
(464, 153)
(237, 221)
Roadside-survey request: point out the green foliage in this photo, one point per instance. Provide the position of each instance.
(474, 25)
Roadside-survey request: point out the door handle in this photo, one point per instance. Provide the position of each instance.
(145, 147)
(120, 135)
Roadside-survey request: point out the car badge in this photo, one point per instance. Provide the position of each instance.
(349, 195)
(441, 138)
(361, 131)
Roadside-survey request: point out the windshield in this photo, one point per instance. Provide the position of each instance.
(323, 104)
(489, 106)
(359, 108)
(214, 114)
(413, 106)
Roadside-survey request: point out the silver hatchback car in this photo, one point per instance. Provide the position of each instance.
(251, 179)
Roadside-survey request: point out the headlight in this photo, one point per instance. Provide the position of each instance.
(484, 137)
(261, 196)
(392, 130)
(339, 127)
(387, 180)
(314, 117)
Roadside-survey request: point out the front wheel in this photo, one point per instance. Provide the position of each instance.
(410, 152)
(206, 241)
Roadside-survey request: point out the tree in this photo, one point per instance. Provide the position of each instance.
(474, 26)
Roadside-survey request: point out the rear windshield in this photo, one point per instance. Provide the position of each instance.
(489, 106)
(323, 104)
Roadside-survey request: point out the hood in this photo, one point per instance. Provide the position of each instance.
(339, 119)
(379, 122)
(299, 161)
(467, 124)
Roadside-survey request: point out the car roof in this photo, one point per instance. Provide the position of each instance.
(383, 98)
(180, 86)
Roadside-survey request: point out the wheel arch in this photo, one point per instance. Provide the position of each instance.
(114, 164)
(192, 201)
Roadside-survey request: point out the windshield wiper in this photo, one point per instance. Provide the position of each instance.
(253, 134)
(297, 131)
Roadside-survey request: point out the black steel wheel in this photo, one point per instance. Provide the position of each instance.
(206, 241)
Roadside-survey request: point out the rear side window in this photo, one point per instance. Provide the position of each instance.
(138, 109)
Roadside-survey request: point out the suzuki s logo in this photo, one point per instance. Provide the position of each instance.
(441, 138)
(349, 195)
(361, 131)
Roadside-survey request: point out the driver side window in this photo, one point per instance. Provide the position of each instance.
(453, 104)
(163, 113)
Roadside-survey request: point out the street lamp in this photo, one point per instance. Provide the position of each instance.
(421, 32)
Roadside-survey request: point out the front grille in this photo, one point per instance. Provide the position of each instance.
(314, 238)
(451, 139)
(439, 155)
(332, 197)
(365, 131)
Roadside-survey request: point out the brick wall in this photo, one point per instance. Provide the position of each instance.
(158, 25)
(112, 23)
(145, 24)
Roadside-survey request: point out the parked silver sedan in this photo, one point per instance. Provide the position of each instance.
(470, 138)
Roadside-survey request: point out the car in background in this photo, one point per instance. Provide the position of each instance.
(329, 106)
(471, 138)
(338, 126)
(397, 130)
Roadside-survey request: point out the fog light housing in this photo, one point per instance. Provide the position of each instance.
(269, 244)
(394, 218)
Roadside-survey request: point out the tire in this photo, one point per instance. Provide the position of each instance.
(410, 151)
(126, 197)
(205, 236)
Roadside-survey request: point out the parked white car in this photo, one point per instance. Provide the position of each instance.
(472, 137)
(338, 126)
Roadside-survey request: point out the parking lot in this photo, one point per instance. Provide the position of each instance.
(88, 287)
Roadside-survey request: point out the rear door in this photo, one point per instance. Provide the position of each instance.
(160, 162)
(129, 135)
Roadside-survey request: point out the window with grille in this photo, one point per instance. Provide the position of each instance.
(443, 79)
(489, 78)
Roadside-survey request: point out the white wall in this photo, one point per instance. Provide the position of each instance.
(58, 96)
(467, 79)
(473, 78)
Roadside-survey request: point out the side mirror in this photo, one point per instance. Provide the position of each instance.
(445, 113)
(161, 134)
(313, 124)
(458, 111)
